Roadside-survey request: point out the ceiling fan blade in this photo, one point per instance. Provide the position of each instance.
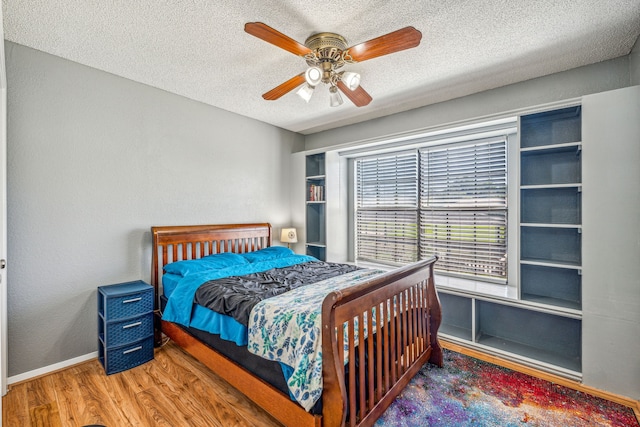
(268, 34)
(404, 38)
(359, 96)
(284, 88)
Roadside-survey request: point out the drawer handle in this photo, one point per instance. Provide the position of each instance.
(131, 300)
(132, 350)
(132, 325)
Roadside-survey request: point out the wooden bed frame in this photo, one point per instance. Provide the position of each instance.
(409, 342)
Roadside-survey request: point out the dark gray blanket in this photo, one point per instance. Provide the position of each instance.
(235, 296)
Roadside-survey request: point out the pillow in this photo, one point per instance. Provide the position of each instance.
(267, 254)
(209, 262)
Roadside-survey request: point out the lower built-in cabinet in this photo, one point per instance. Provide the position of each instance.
(457, 316)
(530, 334)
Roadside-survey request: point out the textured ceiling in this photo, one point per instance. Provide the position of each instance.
(198, 48)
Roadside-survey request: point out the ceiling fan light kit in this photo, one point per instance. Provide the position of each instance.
(305, 92)
(326, 54)
(335, 99)
(313, 76)
(351, 79)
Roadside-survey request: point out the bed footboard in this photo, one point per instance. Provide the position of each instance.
(389, 324)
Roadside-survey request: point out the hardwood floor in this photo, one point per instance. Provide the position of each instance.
(172, 390)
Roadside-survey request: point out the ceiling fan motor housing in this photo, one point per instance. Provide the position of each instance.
(326, 40)
(328, 53)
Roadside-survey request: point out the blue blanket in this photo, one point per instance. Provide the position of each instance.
(180, 305)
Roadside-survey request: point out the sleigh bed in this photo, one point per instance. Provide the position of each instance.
(375, 334)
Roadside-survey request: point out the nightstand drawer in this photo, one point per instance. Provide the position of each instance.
(125, 300)
(118, 359)
(127, 330)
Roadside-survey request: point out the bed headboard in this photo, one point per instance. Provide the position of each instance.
(180, 242)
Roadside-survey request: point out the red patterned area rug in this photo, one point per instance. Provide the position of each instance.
(470, 392)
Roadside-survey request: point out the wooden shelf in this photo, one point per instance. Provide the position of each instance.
(550, 264)
(568, 145)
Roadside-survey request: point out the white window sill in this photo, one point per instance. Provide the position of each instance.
(462, 285)
(475, 287)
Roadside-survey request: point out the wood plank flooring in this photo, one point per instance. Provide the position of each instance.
(172, 390)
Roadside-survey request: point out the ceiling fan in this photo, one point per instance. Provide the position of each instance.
(326, 54)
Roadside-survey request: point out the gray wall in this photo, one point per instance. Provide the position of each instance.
(610, 241)
(613, 74)
(634, 63)
(94, 161)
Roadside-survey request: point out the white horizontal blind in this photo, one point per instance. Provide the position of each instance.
(463, 208)
(387, 208)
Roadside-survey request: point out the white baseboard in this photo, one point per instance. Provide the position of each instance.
(51, 368)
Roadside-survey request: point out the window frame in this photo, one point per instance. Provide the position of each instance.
(506, 129)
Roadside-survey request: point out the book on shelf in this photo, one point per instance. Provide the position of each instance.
(316, 193)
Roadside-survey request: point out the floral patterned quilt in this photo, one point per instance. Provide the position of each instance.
(287, 329)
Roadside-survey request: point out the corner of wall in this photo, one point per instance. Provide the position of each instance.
(634, 64)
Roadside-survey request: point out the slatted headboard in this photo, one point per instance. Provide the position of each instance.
(176, 243)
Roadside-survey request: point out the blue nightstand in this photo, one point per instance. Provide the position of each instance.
(125, 325)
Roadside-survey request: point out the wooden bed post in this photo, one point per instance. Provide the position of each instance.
(435, 318)
(334, 396)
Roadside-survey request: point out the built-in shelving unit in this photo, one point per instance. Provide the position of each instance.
(316, 206)
(550, 207)
(543, 325)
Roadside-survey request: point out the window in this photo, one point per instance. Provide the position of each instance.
(450, 200)
(387, 208)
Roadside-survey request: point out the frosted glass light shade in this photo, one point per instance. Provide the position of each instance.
(352, 80)
(313, 75)
(334, 97)
(305, 92)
